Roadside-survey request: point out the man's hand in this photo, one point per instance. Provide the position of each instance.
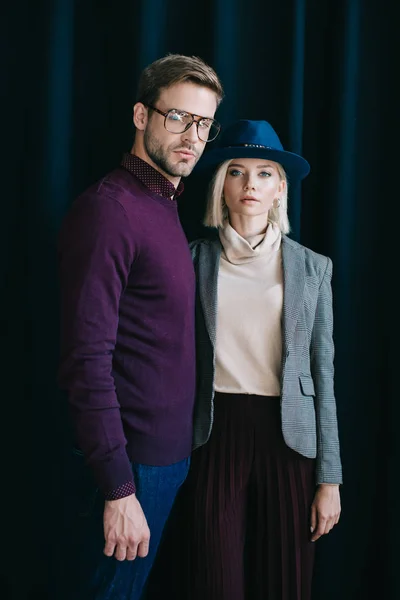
(325, 510)
(126, 531)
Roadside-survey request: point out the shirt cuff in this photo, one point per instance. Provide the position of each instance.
(127, 489)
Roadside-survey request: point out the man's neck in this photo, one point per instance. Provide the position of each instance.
(140, 152)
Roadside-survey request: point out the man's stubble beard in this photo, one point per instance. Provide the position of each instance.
(159, 156)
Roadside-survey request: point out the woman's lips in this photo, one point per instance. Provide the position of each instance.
(248, 200)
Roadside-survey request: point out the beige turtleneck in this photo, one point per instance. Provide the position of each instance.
(250, 300)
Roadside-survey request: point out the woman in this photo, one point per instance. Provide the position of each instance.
(265, 479)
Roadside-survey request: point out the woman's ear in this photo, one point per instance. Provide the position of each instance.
(282, 186)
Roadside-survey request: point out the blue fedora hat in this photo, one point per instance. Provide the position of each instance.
(254, 139)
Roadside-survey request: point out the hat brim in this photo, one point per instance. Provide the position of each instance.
(296, 167)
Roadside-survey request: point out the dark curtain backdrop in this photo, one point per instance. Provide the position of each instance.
(323, 72)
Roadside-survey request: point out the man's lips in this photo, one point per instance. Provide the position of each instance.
(185, 153)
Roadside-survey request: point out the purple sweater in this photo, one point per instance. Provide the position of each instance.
(127, 329)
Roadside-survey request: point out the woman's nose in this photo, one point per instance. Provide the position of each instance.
(250, 185)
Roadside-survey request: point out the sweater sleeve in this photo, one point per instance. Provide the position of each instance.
(96, 251)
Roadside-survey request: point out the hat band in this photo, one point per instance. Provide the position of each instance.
(251, 146)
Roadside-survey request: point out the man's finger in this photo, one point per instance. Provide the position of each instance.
(120, 553)
(132, 552)
(143, 549)
(109, 548)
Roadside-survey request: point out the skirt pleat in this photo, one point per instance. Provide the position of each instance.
(250, 498)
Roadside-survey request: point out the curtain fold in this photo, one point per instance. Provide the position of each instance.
(323, 74)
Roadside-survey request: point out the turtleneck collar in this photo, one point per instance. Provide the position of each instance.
(239, 250)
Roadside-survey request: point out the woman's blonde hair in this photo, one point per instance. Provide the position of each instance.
(217, 211)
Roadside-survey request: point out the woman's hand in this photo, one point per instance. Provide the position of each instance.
(325, 510)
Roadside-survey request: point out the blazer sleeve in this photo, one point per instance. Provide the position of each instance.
(194, 246)
(329, 468)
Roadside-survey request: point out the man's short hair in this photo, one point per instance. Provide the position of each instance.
(173, 69)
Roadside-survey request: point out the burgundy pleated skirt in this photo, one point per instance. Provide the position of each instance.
(251, 497)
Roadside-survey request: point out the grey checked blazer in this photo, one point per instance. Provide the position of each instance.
(308, 406)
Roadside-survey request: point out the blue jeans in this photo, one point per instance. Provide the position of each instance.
(93, 576)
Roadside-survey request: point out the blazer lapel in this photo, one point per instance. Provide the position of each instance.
(294, 282)
(208, 267)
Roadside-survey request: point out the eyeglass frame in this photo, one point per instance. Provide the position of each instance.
(188, 126)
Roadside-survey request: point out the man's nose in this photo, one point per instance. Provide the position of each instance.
(191, 135)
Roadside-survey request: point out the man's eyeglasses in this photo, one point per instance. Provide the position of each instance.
(179, 121)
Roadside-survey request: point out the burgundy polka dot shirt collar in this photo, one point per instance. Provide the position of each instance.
(150, 177)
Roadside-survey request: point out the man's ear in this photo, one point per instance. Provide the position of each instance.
(140, 116)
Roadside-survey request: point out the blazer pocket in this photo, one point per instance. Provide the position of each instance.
(307, 385)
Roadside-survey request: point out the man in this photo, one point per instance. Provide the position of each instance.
(127, 320)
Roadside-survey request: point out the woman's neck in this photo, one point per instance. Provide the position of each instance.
(247, 226)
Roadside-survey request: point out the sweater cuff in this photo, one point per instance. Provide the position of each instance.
(124, 490)
(114, 476)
